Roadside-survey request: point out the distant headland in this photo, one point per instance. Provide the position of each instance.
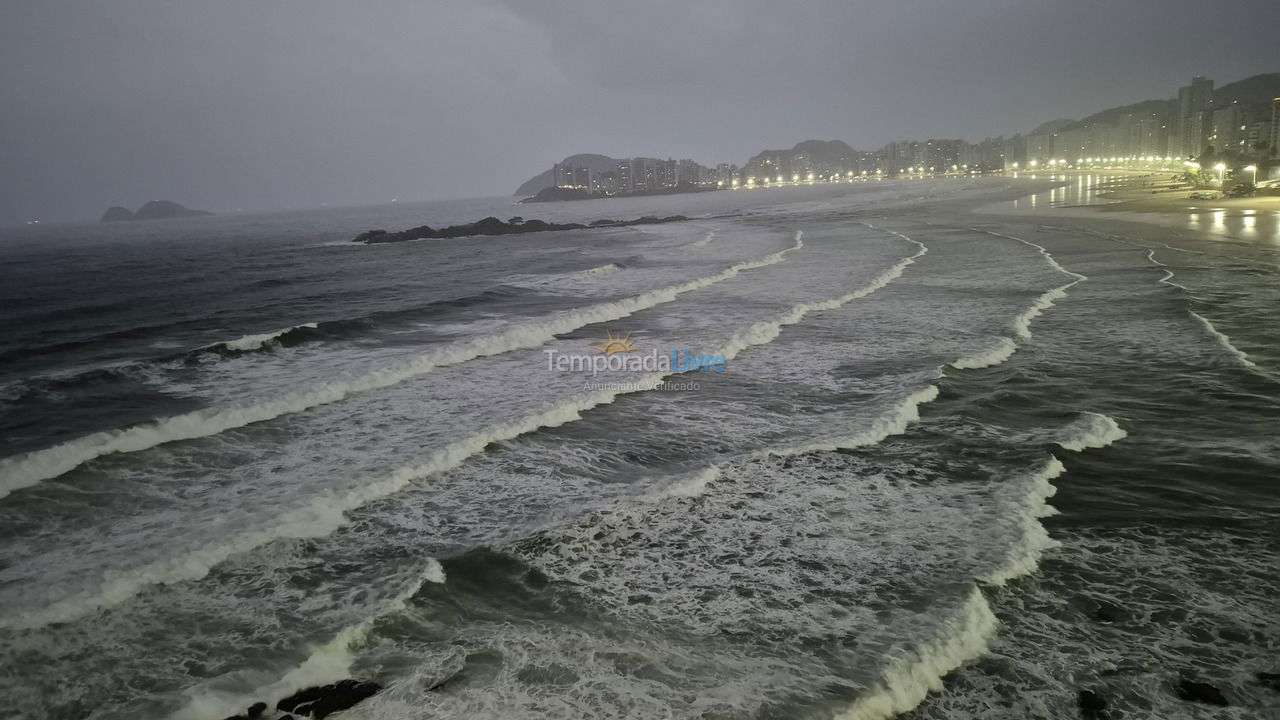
(1236, 125)
(154, 210)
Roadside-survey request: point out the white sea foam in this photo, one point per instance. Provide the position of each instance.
(914, 673)
(1092, 430)
(1224, 341)
(1168, 274)
(1003, 349)
(326, 513)
(766, 331)
(1022, 324)
(1047, 256)
(911, 675)
(1026, 511)
(321, 516)
(28, 469)
(894, 422)
(327, 663)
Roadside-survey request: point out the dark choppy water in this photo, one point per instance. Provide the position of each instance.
(1033, 455)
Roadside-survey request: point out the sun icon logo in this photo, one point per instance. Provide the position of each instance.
(615, 344)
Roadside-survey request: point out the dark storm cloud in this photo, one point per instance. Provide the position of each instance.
(268, 104)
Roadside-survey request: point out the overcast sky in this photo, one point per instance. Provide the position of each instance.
(226, 104)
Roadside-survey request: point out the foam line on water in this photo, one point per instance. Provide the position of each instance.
(326, 663)
(1223, 341)
(1119, 239)
(894, 422)
(1003, 349)
(1047, 255)
(31, 468)
(1168, 274)
(328, 512)
(1022, 323)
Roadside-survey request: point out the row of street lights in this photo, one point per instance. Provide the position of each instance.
(1222, 171)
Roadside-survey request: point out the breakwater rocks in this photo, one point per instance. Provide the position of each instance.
(494, 226)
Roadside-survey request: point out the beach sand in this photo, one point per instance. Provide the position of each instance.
(1158, 193)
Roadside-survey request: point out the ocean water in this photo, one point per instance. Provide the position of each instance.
(957, 464)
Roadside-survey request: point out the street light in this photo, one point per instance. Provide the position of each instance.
(1253, 169)
(1222, 172)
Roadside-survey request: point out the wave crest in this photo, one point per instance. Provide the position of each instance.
(1092, 430)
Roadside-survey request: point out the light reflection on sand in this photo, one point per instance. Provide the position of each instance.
(1080, 196)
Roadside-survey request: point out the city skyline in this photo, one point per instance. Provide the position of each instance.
(1240, 123)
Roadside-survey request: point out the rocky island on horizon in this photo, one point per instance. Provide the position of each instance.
(154, 210)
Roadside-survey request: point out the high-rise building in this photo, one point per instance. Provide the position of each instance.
(666, 173)
(1039, 148)
(1193, 122)
(940, 155)
(1275, 128)
(562, 175)
(605, 183)
(1228, 129)
(642, 174)
(690, 172)
(626, 183)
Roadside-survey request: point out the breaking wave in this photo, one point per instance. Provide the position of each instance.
(249, 343)
(965, 636)
(609, 269)
(33, 467)
(1003, 350)
(1092, 430)
(1022, 324)
(916, 672)
(1224, 341)
(327, 513)
(688, 486)
(894, 422)
(327, 663)
(1027, 510)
